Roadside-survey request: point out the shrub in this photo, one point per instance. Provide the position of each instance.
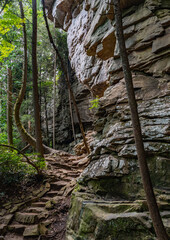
(12, 167)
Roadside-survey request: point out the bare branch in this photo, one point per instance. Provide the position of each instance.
(27, 159)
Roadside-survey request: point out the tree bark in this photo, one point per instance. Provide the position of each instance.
(70, 104)
(39, 144)
(0, 102)
(54, 98)
(46, 118)
(24, 134)
(66, 77)
(147, 184)
(9, 107)
(40, 94)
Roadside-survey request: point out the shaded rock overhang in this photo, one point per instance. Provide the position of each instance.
(66, 7)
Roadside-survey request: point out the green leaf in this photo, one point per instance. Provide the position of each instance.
(94, 103)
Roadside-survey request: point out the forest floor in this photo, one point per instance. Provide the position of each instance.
(40, 211)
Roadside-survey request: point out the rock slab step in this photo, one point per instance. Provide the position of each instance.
(38, 204)
(31, 231)
(17, 228)
(35, 210)
(27, 218)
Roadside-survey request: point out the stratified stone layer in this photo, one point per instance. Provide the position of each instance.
(95, 57)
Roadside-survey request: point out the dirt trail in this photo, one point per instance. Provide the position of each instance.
(44, 214)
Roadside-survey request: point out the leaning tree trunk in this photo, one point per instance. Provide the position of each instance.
(39, 144)
(147, 184)
(70, 103)
(54, 98)
(46, 118)
(66, 77)
(0, 101)
(24, 135)
(9, 107)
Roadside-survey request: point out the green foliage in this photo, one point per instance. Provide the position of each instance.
(8, 22)
(4, 137)
(11, 56)
(3, 114)
(12, 167)
(5, 49)
(94, 103)
(38, 161)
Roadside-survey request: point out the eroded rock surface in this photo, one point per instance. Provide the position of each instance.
(92, 218)
(95, 57)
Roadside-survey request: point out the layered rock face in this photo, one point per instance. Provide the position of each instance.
(63, 127)
(94, 55)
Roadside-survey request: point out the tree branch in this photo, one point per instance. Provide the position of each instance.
(27, 159)
(6, 2)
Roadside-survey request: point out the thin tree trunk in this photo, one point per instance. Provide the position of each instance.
(9, 107)
(39, 144)
(0, 102)
(70, 104)
(54, 98)
(151, 200)
(66, 77)
(24, 134)
(46, 118)
(40, 93)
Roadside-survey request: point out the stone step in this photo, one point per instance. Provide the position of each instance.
(72, 174)
(62, 171)
(58, 198)
(58, 185)
(38, 204)
(164, 198)
(45, 199)
(54, 179)
(6, 219)
(165, 214)
(61, 192)
(3, 228)
(163, 205)
(31, 231)
(26, 218)
(35, 210)
(61, 166)
(17, 228)
(13, 236)
(68, 179)
(52, 193)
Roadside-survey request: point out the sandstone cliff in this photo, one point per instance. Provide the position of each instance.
(63, 126)
(94, 54)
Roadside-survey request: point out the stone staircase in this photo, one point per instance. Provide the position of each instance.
(44, 214)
